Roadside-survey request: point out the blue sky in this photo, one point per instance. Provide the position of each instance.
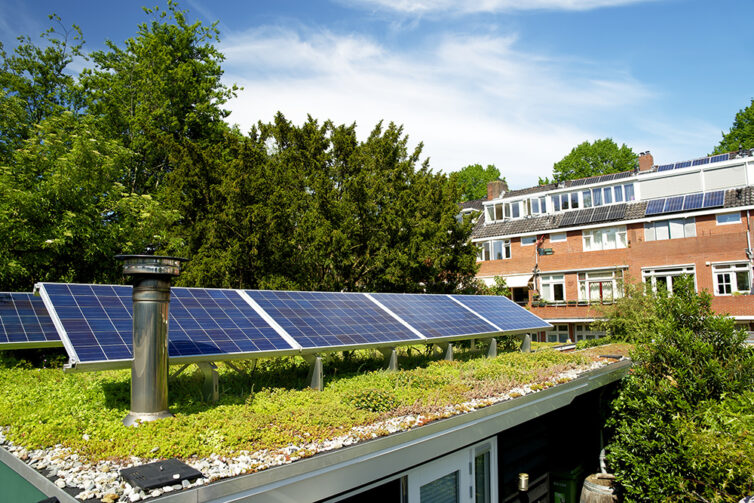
(515, 83)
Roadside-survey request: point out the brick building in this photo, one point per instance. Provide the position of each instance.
(563, 248)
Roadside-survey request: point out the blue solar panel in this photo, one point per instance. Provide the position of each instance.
(329, 319)
(713, 199)
(24, 322)
(684, 164)
(673, 204)
(699, 162)
(434, 315)
(693, 202)
(97, 320)
(655, 207)
(501, 311)
(666, 167)
(719, 157)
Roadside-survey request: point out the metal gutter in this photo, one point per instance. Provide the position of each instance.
(331, 473)
(35, 478)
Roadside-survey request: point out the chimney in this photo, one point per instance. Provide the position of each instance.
(149, 368)
(646, 162)
(496, 188)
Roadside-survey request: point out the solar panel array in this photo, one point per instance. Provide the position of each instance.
(594, 215)
(666, 167)
(25, 323)
(688, 202)
(719, 157)
(95, 322)
(500, 311)
(695, 162)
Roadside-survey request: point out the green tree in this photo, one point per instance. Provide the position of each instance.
(741, 133)
(592, 159)
(473, 179)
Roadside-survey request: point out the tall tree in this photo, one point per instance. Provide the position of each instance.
(473, 179)
(592, 159)
(741, 133)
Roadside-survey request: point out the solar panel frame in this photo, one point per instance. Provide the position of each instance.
(569, 218)
(714, 199)
(600, 214)
(505, 314)
(25, 322)
(693, 201)
(684, 164)
(666, 167)
(700, 162)
(719, 157)
(623, 174)
(606, 178)
(328, 320)
(617, 211)
(95, 324)
(655, 207)
(584, 216)
(673, 204)
(580, 181)
(437, 317)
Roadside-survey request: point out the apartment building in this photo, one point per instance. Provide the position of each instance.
(566, 248)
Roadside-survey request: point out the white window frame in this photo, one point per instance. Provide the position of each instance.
(550, 281)
(731, 270)
(599, 239)
(727, 218)
(485, 250)
(588, 279)
(558, 237)
(559, 333)
(677, 228)
(650, 274)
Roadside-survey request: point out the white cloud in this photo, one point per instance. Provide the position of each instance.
(468, 98)
(454, 6)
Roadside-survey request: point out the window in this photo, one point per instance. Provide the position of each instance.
(670, 229)
(494, 250)
(534, 204)
(607, 195)
(600, 286)
(606, 238)
(553, 287)
(585, 332)
(587, 197)
(628, 189)
(564, 201)
(732, 279)
(528, 240)
(556, 203)
(618, 189)
(661, 278)
(559, 333)
(574, 200)
(728, 218)
(597, 197)
(515, 210)
(558, 237)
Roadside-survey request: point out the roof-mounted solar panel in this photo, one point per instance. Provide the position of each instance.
(25, 323)
(600, 214)
(584, 216)
(624, 174)
(699, 162)
(684, 164)
(713, 199)
(568, 219)
(719, 157)
(580, 181)
(693, 202)
(617, 212)
(655, 207)
(502, 312)
(673, 204)
(606, 178)
(666, 167)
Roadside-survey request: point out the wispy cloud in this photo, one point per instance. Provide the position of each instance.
(468, 98)
(453, 6)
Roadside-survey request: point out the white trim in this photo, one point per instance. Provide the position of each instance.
(667, 266)
(718, 222)
(398, 318)
(72, 356)
(728, 262)
(586, 269)
(570, 320)
(269, 319)
(473, 312)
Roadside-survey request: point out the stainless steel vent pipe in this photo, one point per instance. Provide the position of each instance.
(149, 369)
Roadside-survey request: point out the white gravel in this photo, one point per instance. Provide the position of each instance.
(102, 481)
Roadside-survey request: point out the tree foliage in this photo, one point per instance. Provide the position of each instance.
(693, 360)
(592, 159)
(741, 133)
(473, 179)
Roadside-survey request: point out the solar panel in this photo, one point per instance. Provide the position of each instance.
(719, 157)
(699, 162)
(617, 212)
(580, 181)
(96, 322)
(600, 214)
(568, 219)
(624, 174)
(684, 164)
(434, 315)
(593, 179)
(692, 202)
(673, 204)
(655, 207)
(330, 319)
(606, 178)
(24, 322)
(666, 167)
(501, 311)
(713, 199)
(584, 216)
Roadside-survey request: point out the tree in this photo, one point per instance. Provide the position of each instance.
(473, 179)
(592, 159)
(741, 133)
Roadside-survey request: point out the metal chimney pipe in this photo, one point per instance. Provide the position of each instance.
(149, 368)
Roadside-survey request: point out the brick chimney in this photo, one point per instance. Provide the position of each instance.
(495, 188)
(646, 161)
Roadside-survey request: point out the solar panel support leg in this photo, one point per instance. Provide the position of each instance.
(179, 371)
(448, 349)
(472, 344)
(526, 344)
(315, 371)
(492, 350)
(210, 388)
(391, 355)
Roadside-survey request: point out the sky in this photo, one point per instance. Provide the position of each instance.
(514, 83)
